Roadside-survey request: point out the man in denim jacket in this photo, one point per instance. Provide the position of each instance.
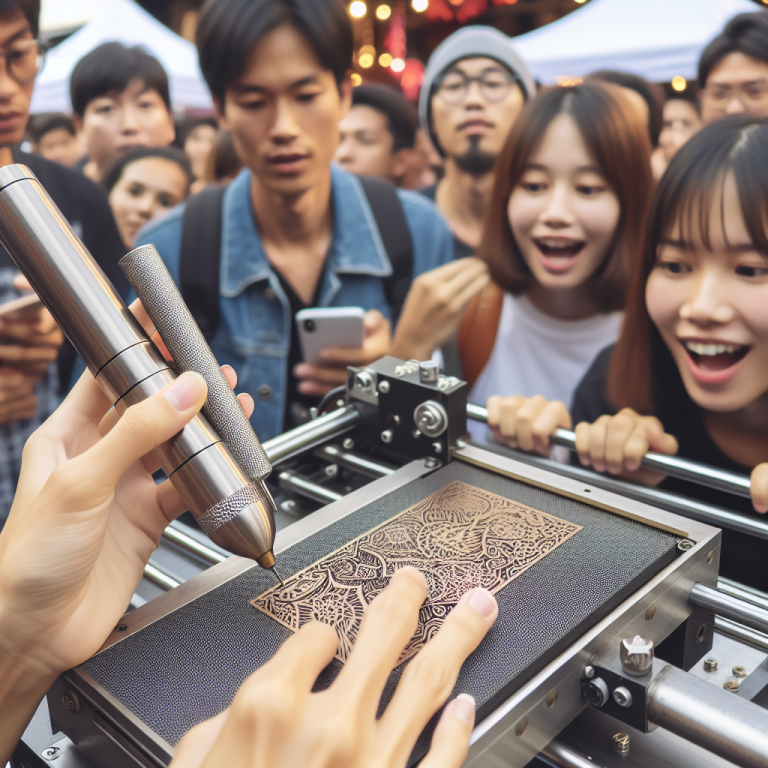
(296, 231)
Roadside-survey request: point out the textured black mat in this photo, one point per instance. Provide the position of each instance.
(187, 666)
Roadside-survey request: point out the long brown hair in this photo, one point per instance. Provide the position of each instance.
(642, 371)
(621, 149)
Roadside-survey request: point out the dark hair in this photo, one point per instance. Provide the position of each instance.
(111, 67)
(652, 94)
(40, 125)
(174, 155)
(186, 126)
(621, 149)
(29, 9)
(746, 33)
(228, 30)
(402, 117)
(641, 364)
(223, 161)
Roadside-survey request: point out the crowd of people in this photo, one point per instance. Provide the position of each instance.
(591, 255)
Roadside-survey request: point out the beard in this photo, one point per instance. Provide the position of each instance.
(475, 161)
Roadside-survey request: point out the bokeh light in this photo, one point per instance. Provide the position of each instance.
(357, 79)
(385, 59)
(383, 12)
(679, 83)
(397, 65)
(358, 9)
(365, 60)
(419, 5)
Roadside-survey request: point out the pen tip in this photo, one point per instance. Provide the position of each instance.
(279, 577)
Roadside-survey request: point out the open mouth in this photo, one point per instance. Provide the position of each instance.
(559, 254)
(715, 357)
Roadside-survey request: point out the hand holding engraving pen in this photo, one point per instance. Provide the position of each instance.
(216, 462)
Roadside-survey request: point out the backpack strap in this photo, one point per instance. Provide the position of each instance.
(199, 272)
(395, 235)
(477, 333)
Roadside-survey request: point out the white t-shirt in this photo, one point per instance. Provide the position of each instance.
(535, 354)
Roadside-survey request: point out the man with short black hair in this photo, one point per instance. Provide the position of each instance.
(378, 134)
(54, 137)
(733, 69)
(121, 100)
(296, 230)
(30, 373)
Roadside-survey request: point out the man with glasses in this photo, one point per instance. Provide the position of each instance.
(733, 69)
(34, 366)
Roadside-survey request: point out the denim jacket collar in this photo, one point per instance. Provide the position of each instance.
(356, 247)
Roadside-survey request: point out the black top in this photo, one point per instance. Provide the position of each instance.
(743, 558)
(297, 404)
(460, 249)
(85, 206)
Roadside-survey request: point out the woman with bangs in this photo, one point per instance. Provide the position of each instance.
(572, 189)
(689, 373)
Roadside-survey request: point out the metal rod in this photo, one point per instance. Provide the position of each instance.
(354, 461)
(683, 469)
(559, 756)
(729, 607)
(741, 633)
(311, 434)
(292, 481)
(186, 543)
(697, 510)
(715, 719)
(742, 591)
(160, 577)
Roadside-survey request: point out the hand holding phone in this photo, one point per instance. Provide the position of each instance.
(329, 327)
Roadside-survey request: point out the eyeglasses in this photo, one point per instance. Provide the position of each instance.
(749, 94)
(24, 59)
(494, 84)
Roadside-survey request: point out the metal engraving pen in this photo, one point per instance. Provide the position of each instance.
(222, 484)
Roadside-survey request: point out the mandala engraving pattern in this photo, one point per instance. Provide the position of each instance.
(460, 537)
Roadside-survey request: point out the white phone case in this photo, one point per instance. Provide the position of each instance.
(329, 327)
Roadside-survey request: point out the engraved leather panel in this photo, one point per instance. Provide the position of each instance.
(460, 537)
(154, 285)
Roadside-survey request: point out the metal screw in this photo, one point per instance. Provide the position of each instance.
(396, 420)
(620, 743)
(622, 697)
(416, 433)
(70, 702)
(436, 447)
(348, 443)
(332, 470)
(521, 726)
(739, 672)
(636, 655)
(732, 685)
(363, 380)
(384, 387)
(461, 444)
(597, 692)
(121, 627)
(589, 672)
(51, 753)
(650, 613)
(685, 545)
(710, 665)
(289, 506)
(386, 436)
(430, 463)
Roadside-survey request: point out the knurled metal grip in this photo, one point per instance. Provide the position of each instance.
(164, 304)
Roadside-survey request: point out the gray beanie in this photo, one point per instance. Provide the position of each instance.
(475, 41)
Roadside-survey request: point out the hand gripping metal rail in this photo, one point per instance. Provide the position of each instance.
(216, 462)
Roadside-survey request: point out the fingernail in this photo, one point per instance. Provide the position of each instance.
(464, 708)
(482, 601)
(184, 392)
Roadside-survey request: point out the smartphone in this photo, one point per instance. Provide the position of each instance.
(27, 305)
(329, 327)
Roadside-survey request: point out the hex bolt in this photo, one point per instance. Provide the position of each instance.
(732, 685)
(386, 436)
(51, 753)
(349, 443)
(710, 665)
(636, 655)
(589, 672)
(622, 696)
(739, 672)
(620, 743)
(384, 387)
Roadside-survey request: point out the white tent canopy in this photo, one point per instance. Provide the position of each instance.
(125, 22)
(656, 39)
